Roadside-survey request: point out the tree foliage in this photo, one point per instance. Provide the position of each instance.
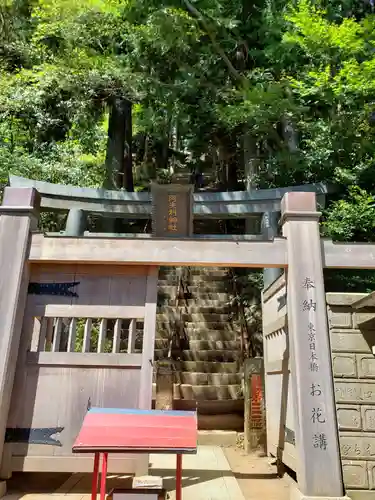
(278, 91)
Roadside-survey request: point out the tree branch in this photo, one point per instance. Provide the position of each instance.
(239, 79)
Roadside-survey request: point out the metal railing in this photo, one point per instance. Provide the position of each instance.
(179, 339)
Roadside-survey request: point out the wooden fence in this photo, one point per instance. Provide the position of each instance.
(278, 382)
(80, 346)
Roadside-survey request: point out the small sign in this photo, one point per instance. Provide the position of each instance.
(172, 210)
(148, 482)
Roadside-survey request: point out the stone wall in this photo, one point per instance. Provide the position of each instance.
(354, 372)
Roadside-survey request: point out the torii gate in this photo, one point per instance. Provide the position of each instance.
(264, 204)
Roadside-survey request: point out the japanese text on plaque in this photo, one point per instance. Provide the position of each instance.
(172, 213)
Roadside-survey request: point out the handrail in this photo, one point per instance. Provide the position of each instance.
(246, 343)
(178, 324)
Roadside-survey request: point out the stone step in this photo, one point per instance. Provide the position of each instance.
(206, 271)
(196, 294)
(192, 305)
(194, 308)
(195, 286)
(192, 327)
(210, 325)
(199, 295)
(192, 317)
(223, 422)
(210, 408)
(219, 438)
(208, 367)
(203, 278)
(213, 292)
(210, 280)
(200, 345)
(207, 268)
(204, 392)
(209, 355)
(208, 378)
(197, 289)
(198, 271)
(203, 334)
(171, 281)
(192, 378)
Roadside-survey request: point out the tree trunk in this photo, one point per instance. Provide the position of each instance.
(290, 135)
(119, 165)
(118, 162)
(250, 160)
(250, 165)
(128, 181)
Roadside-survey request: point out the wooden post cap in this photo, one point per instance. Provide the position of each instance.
(298, 201)
(21, 198)
(299, 205)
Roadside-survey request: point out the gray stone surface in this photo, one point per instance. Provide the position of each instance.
(343, 299)
(357, 446)
(344, 365)
(352, 342)
(368, 418)
(360, 318)
(340, 317)
(350, 391)
(355, 474)
(349, 341)
(349, 417)
(366, 366)
(371, 474)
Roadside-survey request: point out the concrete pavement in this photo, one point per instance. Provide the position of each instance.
(206, 476)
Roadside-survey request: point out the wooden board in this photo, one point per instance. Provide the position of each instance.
(126, 430)
(94, 285)
(158, 252)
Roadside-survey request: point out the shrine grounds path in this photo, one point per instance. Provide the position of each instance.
(215, 473)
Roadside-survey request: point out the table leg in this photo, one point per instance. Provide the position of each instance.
(95, 475)
(103, 479)
(179, 477)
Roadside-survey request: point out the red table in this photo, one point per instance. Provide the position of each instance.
(114, 430)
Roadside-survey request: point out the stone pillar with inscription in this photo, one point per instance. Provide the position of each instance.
(319, 471)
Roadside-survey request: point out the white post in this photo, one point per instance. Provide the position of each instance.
(319, 471)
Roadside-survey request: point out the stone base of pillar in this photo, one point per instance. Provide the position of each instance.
(6, 463)
(296, 494)
(3, 489)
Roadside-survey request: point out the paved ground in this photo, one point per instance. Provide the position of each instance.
(256, 476)
(207, 476)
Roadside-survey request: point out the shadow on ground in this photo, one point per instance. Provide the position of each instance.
(33, 483)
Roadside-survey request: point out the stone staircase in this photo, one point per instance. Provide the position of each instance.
(207, 375)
